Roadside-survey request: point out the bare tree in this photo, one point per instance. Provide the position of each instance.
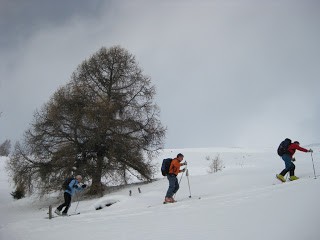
(104, 122)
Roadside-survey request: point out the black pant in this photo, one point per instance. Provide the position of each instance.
(290, 170)
(67, 202)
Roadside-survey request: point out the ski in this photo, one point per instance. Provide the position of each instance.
(77, 213)
(69, 215)
(183, 199)
(169, 202)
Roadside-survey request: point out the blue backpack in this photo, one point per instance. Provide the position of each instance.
(283, 147)
(165, 166)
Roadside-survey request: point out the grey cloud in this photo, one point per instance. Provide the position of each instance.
(227, 72)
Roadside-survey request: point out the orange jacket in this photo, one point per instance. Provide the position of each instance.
(174, 167)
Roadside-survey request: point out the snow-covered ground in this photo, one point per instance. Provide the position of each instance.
(243, 201)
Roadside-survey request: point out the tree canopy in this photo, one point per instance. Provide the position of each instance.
(103, 124)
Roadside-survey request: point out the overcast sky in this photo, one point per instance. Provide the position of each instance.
(227, 72)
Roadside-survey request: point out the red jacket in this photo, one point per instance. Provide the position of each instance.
(293, 147)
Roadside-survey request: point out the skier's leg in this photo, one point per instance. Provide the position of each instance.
(176, 186)
(172, 179)
(60, 207)
(288, 164)
(292, 169)
(63, 204)
(67, 200)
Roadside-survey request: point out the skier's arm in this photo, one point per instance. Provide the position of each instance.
(297, 147)
(76, 185)
(302, 149)
(181, 170)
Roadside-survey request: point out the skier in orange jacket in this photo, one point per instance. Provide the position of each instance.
(174, 170)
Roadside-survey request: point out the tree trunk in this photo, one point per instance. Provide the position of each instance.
(97, 187)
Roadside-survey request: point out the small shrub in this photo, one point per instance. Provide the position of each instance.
(216, 164)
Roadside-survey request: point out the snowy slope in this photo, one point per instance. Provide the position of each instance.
(243, 201)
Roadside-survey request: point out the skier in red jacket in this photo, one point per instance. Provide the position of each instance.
(288, 160)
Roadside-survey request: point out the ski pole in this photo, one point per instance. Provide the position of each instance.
(314, 171)
(179, 183)
(181, 178)
(187, 174)
(75, 210)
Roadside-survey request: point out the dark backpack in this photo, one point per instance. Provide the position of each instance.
(165, 166)
(65, 184)
(283, 147)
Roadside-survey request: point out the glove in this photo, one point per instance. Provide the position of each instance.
(293, 159)
(183, 170)
(310, 150)
(84, 186)
(185, 163)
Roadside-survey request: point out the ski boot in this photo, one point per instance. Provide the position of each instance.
(57, 212)
(292, 178)
(168, 200)
(281, 178)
